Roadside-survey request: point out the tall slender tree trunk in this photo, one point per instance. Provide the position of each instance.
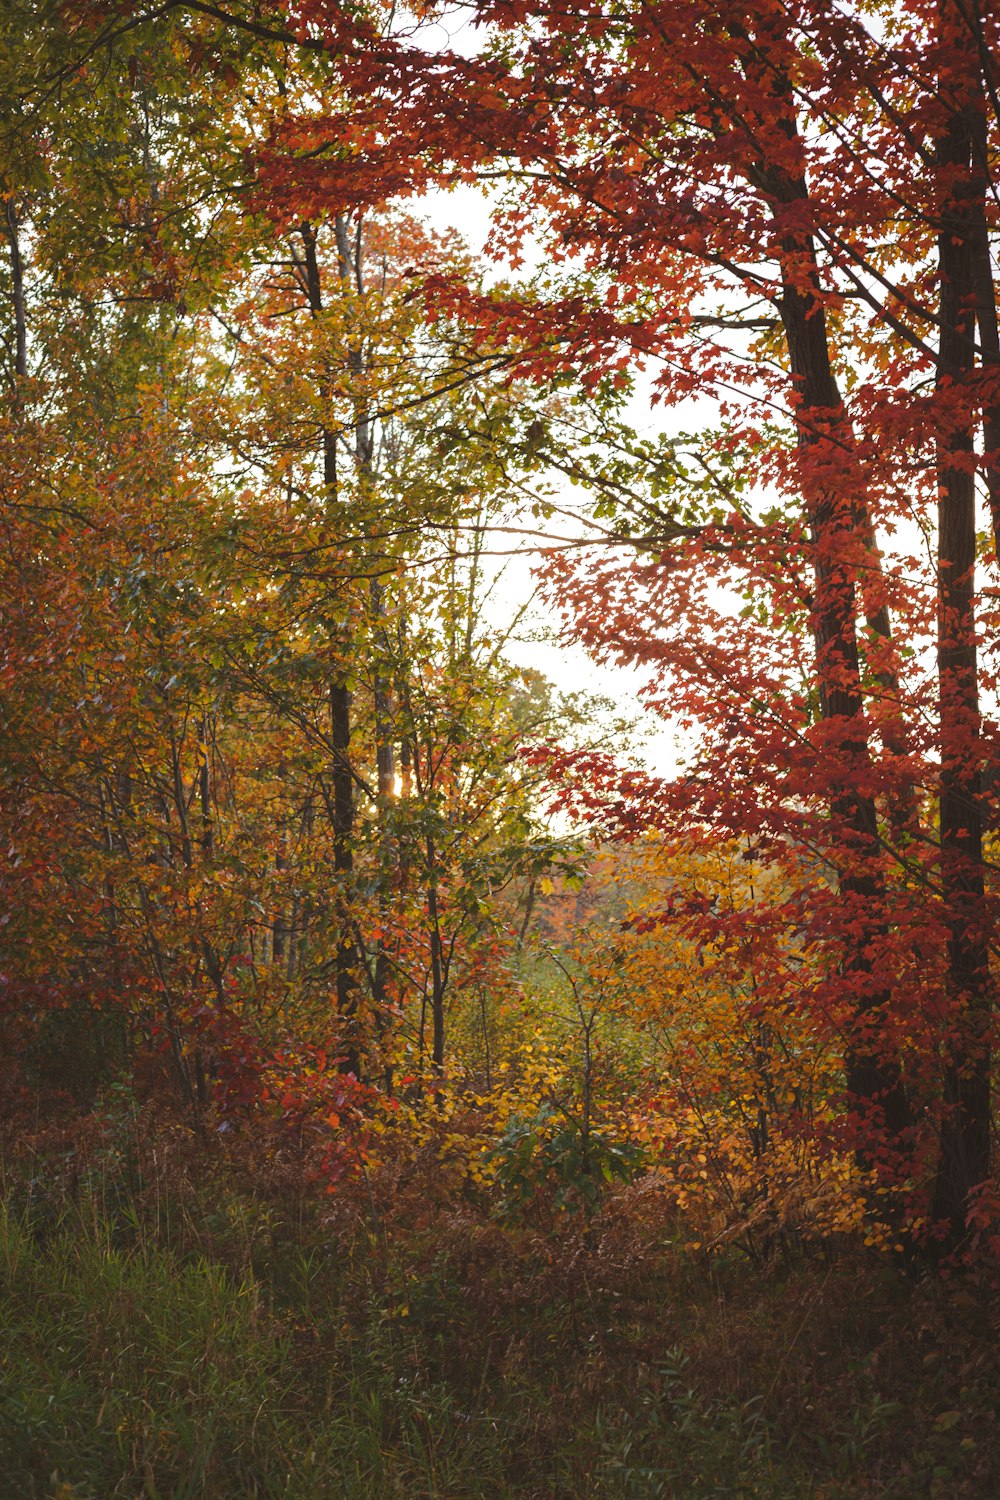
(965, 1132)
(350, 266)
(437, 963)
(386, 768)
(983, 82)
(17, 289)
(279, 928)
(826, 446)
(339, 695)
(843, 545)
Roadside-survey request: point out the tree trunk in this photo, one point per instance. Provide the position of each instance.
(437, 964)
(349, 261)
(340, 743)
(17, 289)
(843, 542)
(965, 1131)
(874, 1083)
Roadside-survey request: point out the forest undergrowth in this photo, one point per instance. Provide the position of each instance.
(185, 1315)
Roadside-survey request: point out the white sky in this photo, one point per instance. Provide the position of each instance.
(658, 746)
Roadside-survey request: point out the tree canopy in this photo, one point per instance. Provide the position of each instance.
(286, 822)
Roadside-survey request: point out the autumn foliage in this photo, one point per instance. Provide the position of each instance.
(289, 840)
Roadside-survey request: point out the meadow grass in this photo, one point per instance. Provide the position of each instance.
(215, 1344)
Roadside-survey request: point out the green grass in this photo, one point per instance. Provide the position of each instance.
(221, 1346)
(135, 1372)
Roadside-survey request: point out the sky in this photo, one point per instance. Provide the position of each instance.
(539, 641)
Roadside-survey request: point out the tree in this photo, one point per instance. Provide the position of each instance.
(791, 213)
(235, 460)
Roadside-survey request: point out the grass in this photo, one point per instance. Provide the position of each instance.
(204, 1338)
(136, 1372)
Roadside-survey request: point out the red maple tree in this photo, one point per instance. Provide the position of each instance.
(789, 212)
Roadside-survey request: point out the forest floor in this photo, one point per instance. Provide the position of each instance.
(181, 1321)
